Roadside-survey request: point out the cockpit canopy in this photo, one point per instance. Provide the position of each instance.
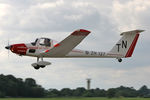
(43, 42)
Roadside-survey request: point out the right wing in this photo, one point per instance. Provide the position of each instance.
(66, 45)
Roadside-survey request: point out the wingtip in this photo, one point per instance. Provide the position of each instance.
(83, 30)
(80, 32)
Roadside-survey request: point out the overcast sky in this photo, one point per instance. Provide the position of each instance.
(22, 21)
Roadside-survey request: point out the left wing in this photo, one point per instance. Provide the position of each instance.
(66, 45)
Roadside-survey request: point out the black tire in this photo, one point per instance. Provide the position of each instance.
(42, 66)
(119, 60)
(37, 67)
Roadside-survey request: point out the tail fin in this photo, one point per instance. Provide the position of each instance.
(125, 46)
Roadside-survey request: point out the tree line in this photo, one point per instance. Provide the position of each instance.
(11, 86)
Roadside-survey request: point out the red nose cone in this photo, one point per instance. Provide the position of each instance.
(20, 49)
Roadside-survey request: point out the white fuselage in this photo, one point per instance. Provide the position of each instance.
(75, 53)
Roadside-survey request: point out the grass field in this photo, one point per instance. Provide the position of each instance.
(74, 99)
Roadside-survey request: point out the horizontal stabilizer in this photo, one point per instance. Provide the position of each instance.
(132, 32)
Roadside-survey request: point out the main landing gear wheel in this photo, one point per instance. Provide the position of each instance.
(37, 67)
(120, 60)
(40, 64)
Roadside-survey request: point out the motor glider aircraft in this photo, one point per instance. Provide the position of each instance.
(46, 48)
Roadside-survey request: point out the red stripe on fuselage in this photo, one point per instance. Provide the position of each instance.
(56, 45)
(47, 51)
(131, 49)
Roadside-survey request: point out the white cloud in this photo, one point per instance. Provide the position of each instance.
(49, 5)
(4, 9)
(49, 16)
(126, 15)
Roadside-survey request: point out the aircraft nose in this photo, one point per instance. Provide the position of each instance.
(8, 47)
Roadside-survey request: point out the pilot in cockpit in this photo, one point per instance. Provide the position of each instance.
(47, 42)
(43, 42)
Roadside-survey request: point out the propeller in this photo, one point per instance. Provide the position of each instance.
(8, 48)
